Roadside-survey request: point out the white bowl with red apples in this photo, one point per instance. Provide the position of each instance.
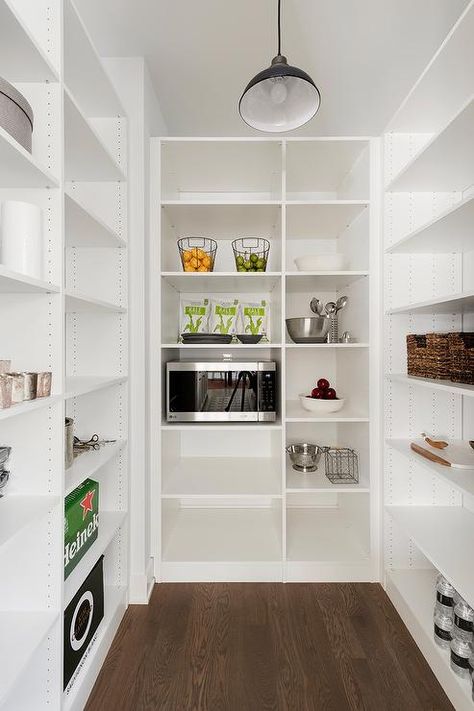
(323, 399)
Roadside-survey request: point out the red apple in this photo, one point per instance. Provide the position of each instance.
(323, 384)
(330, 394)
(316, 393)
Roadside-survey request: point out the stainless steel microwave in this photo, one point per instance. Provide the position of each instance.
(221, 391)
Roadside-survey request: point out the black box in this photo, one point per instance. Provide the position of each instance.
(82, 617)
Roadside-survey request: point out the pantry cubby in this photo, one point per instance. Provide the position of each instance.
(307, 197)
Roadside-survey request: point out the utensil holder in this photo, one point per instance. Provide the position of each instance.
(333, 329)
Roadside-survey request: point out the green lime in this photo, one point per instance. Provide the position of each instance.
(241, 269)
(261, 264)
(254, 258)
(260, 270)
(247, 265)
(239, 260)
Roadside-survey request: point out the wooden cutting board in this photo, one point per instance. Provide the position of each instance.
(458, 453)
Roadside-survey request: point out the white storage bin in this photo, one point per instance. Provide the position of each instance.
(22, 238)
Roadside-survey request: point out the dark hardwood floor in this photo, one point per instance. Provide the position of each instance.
(253, 647)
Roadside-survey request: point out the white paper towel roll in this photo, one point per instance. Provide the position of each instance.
(22, 238)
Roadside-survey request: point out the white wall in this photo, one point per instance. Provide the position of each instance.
(132, 82)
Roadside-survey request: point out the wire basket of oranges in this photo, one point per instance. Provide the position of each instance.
(197, 253)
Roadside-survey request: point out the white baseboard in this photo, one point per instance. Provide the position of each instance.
(141, 586)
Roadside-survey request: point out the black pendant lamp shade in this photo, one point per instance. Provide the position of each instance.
(279, 98)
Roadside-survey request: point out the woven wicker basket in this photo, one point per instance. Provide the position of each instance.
(428, 356)
(461, 353)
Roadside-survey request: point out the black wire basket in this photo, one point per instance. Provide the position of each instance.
(251, 254)
(198, 254)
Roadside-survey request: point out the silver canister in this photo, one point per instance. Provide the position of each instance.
(6, 384)
(18, 387)
(461, 651)
(5, 366)
(43, 388)
(443, 627)
(444, 592)
(30, 385)
(4, 473)
(68, 442)
(463, 621)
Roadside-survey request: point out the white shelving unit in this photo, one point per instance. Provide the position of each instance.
(227, 504)
(429, 252)
(72, 322)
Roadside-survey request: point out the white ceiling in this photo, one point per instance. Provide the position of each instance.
(363, 54)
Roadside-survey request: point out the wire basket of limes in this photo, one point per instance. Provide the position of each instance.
(197, 254)
(251, 254)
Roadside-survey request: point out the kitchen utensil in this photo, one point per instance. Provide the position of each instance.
(341, 303)
(93, 443)
(305, 457)
(313, 329)
(429, 455)
(4, 473)
(330, 308)
(321, 262)
(341, 465)
(251, 254)
(197, 254)
(331, 311)
(457, 454)
(321, 406)
(346, 337)
(316, 306)
(248, 339)
(68, 442)
(436, 443)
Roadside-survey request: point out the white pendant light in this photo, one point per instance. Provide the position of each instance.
(280, 98)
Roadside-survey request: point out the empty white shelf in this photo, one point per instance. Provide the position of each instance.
(444, 535)
(28, 630)
(23, 408)
(221, 535)
(76, 303)
(460, 479)
(109, 524)
(222, 477)
(446, 162)
(321, 219)
(77, 385)
(17, 512)
(301, 282)
(88, 464)
(295, 413)
(86, 156)
(450, 232)
(84, 229)
(454, 304)
(19, 168)
(21, 59)
(300, 482)
(323, 535)
(446, 385)
(222, 282)
(17, 283)
(413, 594)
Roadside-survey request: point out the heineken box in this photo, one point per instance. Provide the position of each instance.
(82, 617)
(81, 524)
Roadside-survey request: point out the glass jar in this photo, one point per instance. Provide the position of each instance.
(444, 592)
(443, 627)
(463, 621)
(461, 651)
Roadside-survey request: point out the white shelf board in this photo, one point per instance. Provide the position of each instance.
(305, 483)
(222, 477)
(443, 534)
(17, 283)
(295, 413)
(88, 463)
(216, 426)
(84, 229)
(221, 535)
(76, 303)
(222, 282)
(413, 594)
(450, 232)
(220, 200)
(460, 479)
(21, 58)
(19, 168)
(446, 385)
(18, 512)
(445, 163)
(301, 282)
(115, 601)
(218, 346)
(86, 156)
(453, 304)
(324, 535)
(77, 385)
(109, 524)
(22, 633)
(84, 71)
(341, 346)
(23, 408)
(321, 219)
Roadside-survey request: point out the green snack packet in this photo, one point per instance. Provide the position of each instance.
(81, 523)
(194, 316)
(254, 318)
(223, 318)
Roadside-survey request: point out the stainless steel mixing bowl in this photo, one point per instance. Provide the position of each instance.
(305, 457)
(313, 329)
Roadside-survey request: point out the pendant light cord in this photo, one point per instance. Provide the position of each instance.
(279, 27)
